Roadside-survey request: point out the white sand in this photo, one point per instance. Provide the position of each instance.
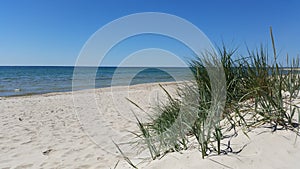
(31, 125)
(264, 150)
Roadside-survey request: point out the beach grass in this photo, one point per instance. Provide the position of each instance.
(259, 92)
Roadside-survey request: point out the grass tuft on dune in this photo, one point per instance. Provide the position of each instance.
(259, 92)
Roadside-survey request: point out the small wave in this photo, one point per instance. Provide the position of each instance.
(17, 90)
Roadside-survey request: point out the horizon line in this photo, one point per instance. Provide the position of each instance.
(90, 66)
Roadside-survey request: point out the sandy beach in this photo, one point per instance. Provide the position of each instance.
(149, 84)
(44, 131)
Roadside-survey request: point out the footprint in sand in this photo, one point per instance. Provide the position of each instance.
(24, 166)
(47, 152)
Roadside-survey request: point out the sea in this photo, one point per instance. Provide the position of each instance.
(30, 80)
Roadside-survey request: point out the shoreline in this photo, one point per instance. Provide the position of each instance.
(97, 89)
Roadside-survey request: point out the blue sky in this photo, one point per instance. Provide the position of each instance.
(52, 32)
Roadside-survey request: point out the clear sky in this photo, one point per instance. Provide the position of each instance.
(52, 32)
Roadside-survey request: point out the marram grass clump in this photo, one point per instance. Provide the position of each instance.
(256, 86)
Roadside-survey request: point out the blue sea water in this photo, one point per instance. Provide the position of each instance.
(27, 80)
